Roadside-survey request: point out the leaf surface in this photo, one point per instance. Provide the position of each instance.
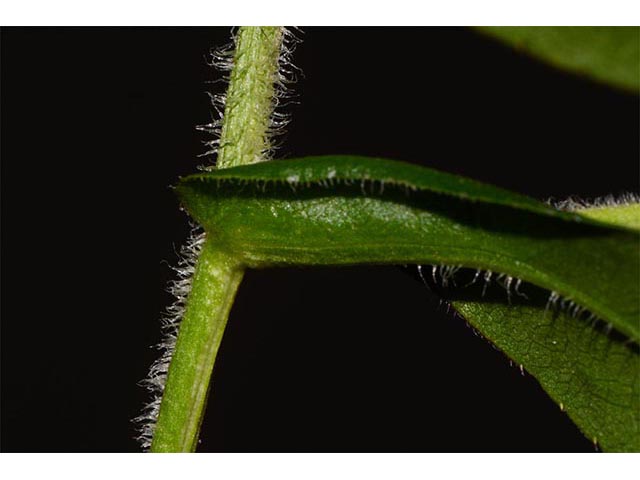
(590, 372)
(342, 210)
(593, 375)
(606, 54)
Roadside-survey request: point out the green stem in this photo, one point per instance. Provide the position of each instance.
(214, 286)
(250, 97)
(244, 139)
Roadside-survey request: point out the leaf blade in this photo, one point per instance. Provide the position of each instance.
(593, 377)
(347, 210)
(606, 54)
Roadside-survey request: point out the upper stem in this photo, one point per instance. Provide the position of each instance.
(250, 98)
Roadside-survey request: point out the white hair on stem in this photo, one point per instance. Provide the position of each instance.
(170, 322)
(222, 59)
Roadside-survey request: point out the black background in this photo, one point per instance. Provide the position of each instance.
(97, 123)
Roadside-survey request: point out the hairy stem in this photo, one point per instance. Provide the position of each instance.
(250, 97)
(244, 139)
(214, 286)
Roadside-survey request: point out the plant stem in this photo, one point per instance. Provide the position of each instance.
(214, 286)
(244, 139)
(250, 97)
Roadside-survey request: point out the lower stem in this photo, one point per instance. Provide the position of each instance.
(213, 289)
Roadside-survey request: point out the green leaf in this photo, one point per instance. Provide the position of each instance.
(591, 373)
(594, 376)
(622, 215)
(352, 210)
(606, 54)
(342, 210)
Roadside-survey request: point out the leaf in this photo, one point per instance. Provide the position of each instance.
(342, 210)
(592, 374)
(351, 210)
(607, 54)
(626, 215)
